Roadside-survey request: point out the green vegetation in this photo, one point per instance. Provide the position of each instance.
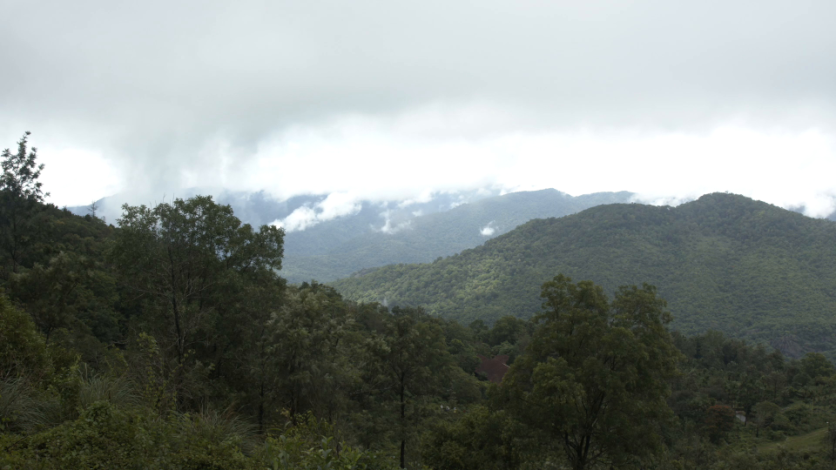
(170, 342)
(595, 376)
(724, 262)
(425, 238)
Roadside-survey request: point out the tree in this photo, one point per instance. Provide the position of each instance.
(189, 262)
(594, 378)
(179, 254)
(307, 361)
(412, 360)
(829, 440)
(20, 193)
(816, 366)
(21, 172)
(92, 208)
(23, 351)
(719, 420)
(480, 439)
(765, 414)
(50, 293)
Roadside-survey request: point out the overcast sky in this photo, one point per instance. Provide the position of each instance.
(389, 99)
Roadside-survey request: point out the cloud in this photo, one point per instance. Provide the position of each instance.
(390, 227)
(333, 206)
(387, 100)
(488, 230)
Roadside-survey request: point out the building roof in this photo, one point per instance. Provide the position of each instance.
(495, 367)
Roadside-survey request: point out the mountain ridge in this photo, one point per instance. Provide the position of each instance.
(724, 262)
(442, 233)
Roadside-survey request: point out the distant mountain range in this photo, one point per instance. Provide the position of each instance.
(427, 237)
(724, 262)
(371, 234)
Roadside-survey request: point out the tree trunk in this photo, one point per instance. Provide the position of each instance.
(403, 427)
(261, 409)
(180, 339)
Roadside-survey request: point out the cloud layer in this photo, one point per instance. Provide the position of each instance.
(390, 99)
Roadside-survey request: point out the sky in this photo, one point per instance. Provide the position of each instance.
(390, 100)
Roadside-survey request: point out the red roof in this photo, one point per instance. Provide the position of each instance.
(495, 367)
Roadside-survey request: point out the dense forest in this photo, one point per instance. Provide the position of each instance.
(171, 341)
(723, 262)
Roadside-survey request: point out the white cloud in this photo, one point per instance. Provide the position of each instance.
(333, 206)
(488, 230)
(789, 167)
(389, 227)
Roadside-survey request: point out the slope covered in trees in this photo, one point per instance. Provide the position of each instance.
(427, 237)
(724, 262)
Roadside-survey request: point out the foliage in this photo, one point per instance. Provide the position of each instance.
(23, 351)
(480, 439)
(21, 172)
(310, 444)
(307, 359)
(20, 195)
(594, 378)
(724, 262)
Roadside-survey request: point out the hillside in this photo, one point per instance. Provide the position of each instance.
(427, 237)
(723, 262)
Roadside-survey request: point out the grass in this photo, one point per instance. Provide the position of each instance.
(810, 442)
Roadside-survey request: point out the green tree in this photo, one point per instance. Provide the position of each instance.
(50, 293)
(595, 376)
(191, 267)
(765, 413)
(719, 420)
(816, 366)
(829, 440)
(412, 362)
(307, 357)
(20, 195)
(23, 351)
(479, 440)
(181, 255)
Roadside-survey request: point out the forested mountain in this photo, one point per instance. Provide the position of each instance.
(425, 238)
(374, 234)
(723, 262)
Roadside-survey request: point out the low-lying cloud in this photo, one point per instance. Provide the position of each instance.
(488, 230)
(390, 226)
(333, 206)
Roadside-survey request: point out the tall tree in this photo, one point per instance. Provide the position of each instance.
(20, 193)
(307, 357)
(594, 378)
(413, 361)
(188, 261)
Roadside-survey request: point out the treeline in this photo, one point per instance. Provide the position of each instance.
(170, 341)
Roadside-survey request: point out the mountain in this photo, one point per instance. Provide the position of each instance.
(313, 237)
(723, 262)
(368, 234)
(426, 237)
